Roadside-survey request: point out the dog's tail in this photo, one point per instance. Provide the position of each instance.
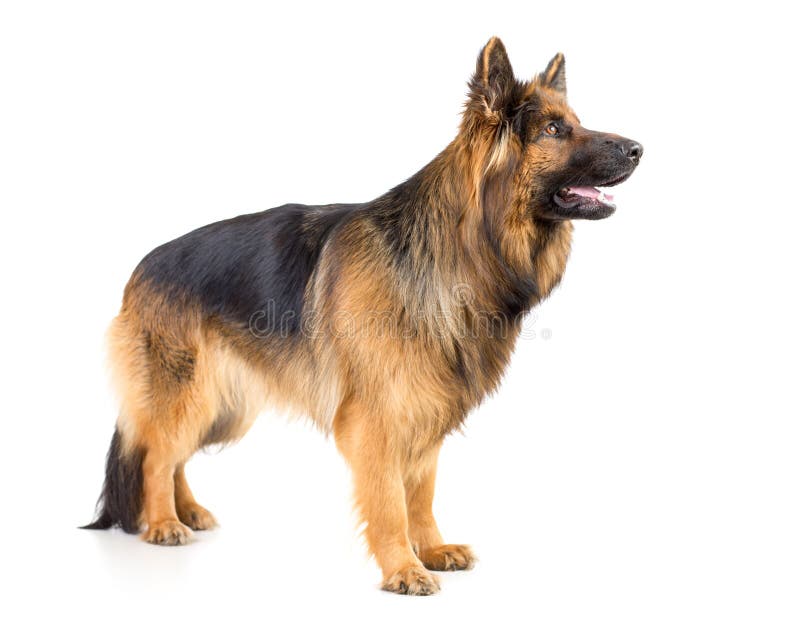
(120, 501)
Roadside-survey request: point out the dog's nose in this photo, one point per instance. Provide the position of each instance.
(632, 150)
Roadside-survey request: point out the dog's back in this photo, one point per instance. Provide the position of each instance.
(237, 268)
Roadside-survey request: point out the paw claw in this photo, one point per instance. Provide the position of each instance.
(197, 517)
(448, 557)
(412, 580)
(169, 533)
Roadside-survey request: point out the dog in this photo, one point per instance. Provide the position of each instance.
(385, 322)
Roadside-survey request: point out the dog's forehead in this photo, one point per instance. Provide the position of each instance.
(552, 104)
(542, 104)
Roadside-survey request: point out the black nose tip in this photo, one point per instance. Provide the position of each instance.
(632, 149)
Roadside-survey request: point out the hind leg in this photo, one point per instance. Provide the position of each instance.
(189, 511)
(162, 369)
(169, 435)
(163, 525)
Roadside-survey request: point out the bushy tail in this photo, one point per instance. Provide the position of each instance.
(120, 501)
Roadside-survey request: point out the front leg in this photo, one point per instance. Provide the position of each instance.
(380, 498)
(422, 529)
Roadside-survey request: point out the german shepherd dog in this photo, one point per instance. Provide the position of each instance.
(384, 322)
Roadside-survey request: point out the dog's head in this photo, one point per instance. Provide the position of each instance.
(532, 136)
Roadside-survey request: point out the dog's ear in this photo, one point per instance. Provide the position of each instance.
(554, 75)
(494, 78)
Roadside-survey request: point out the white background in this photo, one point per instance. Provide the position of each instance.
(641, 462)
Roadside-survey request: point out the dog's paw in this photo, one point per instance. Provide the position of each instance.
(168, 532)
(448, 557)
(413, 580)
(196, 517)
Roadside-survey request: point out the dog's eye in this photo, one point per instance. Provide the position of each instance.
(551, 129)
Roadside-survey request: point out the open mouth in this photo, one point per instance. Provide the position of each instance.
(586, 202)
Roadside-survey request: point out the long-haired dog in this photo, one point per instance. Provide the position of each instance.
(385, 322)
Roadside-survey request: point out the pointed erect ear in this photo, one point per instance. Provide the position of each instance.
(554, 76)
(494, 78)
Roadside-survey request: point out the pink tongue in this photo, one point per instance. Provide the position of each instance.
(589, 192)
